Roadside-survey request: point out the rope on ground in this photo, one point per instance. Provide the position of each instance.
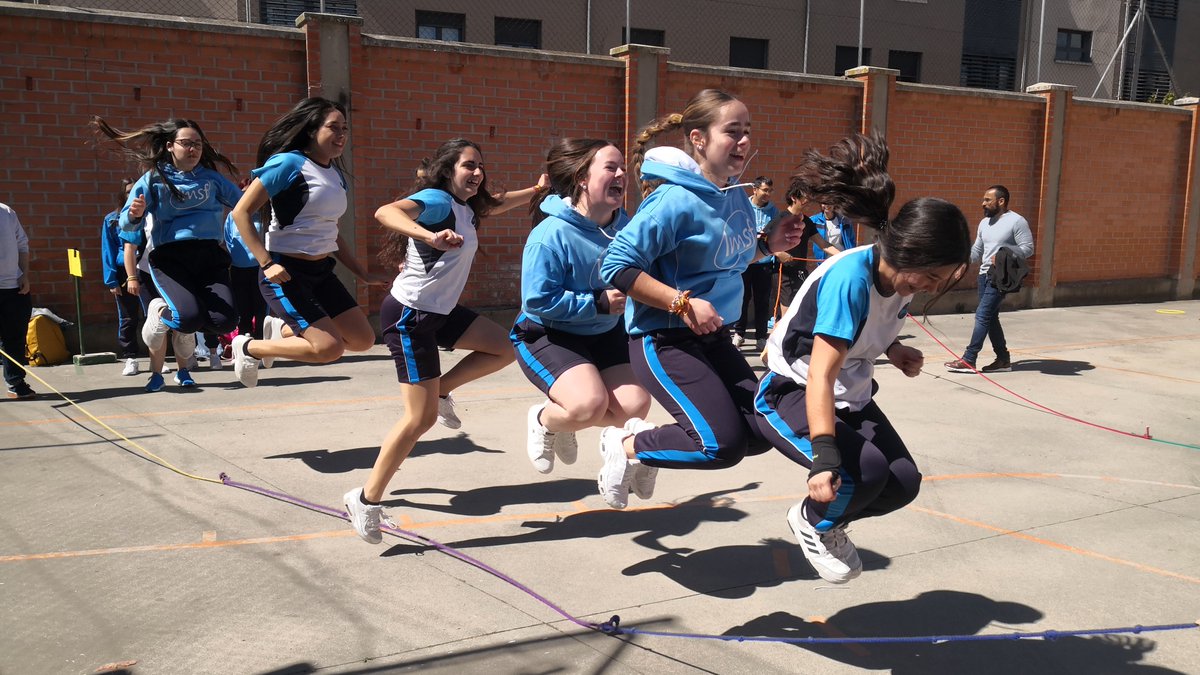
(611, 627)
(153, 457)
(1143, 436)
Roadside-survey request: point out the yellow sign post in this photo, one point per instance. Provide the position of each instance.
(75, 267)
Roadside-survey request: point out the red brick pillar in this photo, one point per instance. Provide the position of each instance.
(333, 46)
(879, 84)
(645, 89)
(1058, 105)
(1186, 277)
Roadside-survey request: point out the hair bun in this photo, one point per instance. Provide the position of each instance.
(675, 118)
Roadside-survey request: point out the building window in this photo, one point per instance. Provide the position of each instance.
(526, 33)
(446, 26)
(846, 58)
(748, 53)
(645, 36)
(908, 63)
(284, 12)
(982, 71)
(1073, 45)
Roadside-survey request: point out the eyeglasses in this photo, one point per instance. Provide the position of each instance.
(338, 131)
(190, 145)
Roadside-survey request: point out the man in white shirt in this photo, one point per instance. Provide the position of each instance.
(15, 303)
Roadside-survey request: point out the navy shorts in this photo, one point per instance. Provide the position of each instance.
(544, 354)
(313, 293)
(413, 336)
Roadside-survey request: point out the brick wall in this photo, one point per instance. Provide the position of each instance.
(1121, 161)
(59, 72)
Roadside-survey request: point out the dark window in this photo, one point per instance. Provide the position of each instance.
(284, 12)
(846, 58)
(646, 36)
(446, 26)
(988, 72)
(525, 33)
(748, 53)
(1073, 45)
(1162, 9)
(908, 63)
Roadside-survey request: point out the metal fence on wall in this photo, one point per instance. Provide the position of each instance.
(1106, 48)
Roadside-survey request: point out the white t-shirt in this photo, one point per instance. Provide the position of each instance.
(13, 242)
(433, 280)
(307, 200)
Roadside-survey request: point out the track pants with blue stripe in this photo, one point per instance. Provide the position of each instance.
(878, 473)
(704, 382)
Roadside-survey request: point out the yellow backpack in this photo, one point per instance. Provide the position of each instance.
(44, 342)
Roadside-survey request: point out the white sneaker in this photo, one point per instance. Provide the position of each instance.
(131, 367)
(566, 447)
(154, 331)
(245, 367)
(738, 340)
(830, 553)
(364, 518)
(644, 477)
(617, 471)
(539, 441)
(214, 360)
(165, 369)
(272, 330)
(202, 353)
(446, 415)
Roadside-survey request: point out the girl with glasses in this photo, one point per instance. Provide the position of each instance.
(188, 199)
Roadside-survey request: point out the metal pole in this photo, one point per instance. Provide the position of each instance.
(1123, 51)
(628, 25)
(861, 5)
(589, 27)
(1120, 48)
(807, 13)
(1041, 40)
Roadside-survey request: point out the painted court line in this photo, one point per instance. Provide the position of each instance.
(208, 538)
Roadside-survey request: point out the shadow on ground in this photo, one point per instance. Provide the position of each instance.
(955, 613)
(343, 461)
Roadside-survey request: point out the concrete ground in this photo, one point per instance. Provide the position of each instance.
(1026, 522)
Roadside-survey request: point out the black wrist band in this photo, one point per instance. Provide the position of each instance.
(264, 267)
(763, 247)
(826, 456)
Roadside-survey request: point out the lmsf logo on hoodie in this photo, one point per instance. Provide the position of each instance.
(738, 237)
(197, 196)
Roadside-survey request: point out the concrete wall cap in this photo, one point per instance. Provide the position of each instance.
(306, 17)
(144, 20)
(966, 91)
(871, 70)
(1130, 105)
(647, 49)
(1047, 86)
(1187, 100)
(754, 73)
(487, 50)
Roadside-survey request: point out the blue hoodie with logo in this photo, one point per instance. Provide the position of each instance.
(688, 234)
(199, 215)
(560, 269)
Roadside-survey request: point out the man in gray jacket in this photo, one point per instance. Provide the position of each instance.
(999, 228)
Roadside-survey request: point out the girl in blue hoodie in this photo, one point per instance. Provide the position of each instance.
(569, 338)
(188, 199)
(680, 261)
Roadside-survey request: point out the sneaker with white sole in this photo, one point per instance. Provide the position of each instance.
(446, 415)
(617, 471)
(245, 367)
(644, 477)
(831, 553)
(155, 383)
(184, 379)
(738, 340)
(364, 518)
(214, 361)
(539, 441)
(131, 367)
(272, 330)
(154, 331)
